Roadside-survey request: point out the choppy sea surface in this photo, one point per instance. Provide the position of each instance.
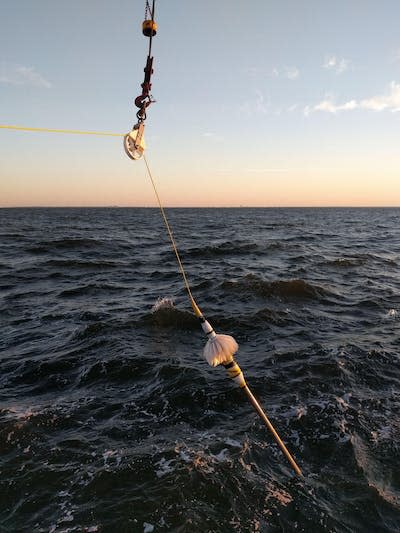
(111, 420)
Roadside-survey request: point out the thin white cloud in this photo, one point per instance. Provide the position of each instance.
(388, 101)
(292, 73)
(256, 106)
(330, 107)
(251, 170)
(12, 74)
(212, 136)
(252, 71)
(335, 64)
(289, 72)
(396, 56)
(259, 103)
(265, 170)
(330, 62)
(262, 170)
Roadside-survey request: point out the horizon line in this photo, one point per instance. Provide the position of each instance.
(350, 206)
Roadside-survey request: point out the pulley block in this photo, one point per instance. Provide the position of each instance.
(134, 143)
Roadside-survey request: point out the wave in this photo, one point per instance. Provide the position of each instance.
(93, 330)
(91, 289)
(225, 248)
(82, 264)
(171, 317)
(347, 262)
(64, 244)
(295, 288)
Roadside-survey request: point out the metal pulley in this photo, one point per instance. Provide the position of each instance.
(134, 142)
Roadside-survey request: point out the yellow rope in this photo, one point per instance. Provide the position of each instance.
(75, 132)
(173, 242)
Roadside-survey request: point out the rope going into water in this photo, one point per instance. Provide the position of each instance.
(232, 365)
(172, 239)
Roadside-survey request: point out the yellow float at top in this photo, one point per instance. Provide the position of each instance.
(149, 28)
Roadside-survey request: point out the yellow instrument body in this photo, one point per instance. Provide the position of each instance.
(149, 28)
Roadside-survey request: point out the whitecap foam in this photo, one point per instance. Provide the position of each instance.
(164, 467)
(163, 303)
(232, 442)
(392, 314)
(112, 457)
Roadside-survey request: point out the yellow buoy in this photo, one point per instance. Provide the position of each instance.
(149, 28)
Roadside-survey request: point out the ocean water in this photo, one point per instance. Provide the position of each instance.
(111, 420)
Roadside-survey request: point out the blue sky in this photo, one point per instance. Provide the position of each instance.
(258, 103)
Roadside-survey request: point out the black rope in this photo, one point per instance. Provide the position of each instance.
(152, 20)
(144, 100)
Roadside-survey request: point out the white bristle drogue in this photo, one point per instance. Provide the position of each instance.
(220, 349)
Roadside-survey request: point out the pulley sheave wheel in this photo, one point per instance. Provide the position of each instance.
(134, 142)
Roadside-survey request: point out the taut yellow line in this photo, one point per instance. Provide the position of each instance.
(50, 130)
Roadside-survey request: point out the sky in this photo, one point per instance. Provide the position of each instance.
(262, 103)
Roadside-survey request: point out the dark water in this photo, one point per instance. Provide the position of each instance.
(110, 420)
